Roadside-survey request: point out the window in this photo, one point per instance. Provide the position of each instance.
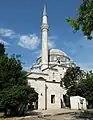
(54, 81)
(52, 58)
(55, 58)
(58, 58)
(58, 61)
(60, 76)
(53, 77)
(53, 74)
(52, 98)
(61, 83)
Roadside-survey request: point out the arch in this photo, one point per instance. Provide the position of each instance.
(41, 78)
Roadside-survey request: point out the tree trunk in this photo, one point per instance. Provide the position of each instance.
(5, 112)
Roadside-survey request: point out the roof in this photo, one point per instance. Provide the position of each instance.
(57, 52)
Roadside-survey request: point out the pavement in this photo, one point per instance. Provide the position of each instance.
(54, 112)
(63, 117)
(57, 114)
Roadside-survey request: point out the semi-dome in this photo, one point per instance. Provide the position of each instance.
(57, 52)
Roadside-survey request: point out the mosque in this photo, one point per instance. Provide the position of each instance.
(46, 74)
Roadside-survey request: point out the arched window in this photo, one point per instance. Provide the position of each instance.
(53, 75)
(52, 58)
(60, 76)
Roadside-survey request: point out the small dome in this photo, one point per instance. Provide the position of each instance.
(57, 52)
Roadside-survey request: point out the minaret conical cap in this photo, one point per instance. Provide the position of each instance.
(44, 12)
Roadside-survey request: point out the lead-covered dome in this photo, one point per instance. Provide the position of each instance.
(57, 52)
(57, 56)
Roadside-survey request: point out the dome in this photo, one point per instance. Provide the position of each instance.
(57, 52)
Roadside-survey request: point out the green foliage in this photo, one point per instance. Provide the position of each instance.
(11, 72)
(79, 83)
(84, 19)
(15, 94)
(86, 88)
(17, 98)
(72, 77)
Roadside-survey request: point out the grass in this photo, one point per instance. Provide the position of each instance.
(2, 119)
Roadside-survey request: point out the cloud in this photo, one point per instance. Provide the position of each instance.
(32, 41)
(4, 42)
(29, 41)
(26, 41)
(8, 33)
(51, 44)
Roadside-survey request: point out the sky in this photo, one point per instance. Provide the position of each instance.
(20, 22)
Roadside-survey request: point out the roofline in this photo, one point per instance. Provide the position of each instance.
(37, 79)
(37, 73)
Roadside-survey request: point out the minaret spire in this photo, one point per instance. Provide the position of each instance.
(44, 29)
(44, 12)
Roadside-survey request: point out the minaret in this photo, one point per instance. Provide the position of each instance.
(44, 29)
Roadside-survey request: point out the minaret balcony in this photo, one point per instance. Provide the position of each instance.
(44, 27)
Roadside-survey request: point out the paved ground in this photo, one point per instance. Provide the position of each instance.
(64, 117)
(54, 112)
(87, 115)
(62, 114)
(25, 118)
(58, 117)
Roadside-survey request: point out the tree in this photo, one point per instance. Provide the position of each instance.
(79, 83)
(2, 49)
(72, 77)
(85, 88)
(17, 98)
(15, 94)
(84, 19)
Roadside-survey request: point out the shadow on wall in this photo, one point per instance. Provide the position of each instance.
(66, 100)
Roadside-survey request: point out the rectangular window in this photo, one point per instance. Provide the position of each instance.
(52, 98)
(60, 76)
